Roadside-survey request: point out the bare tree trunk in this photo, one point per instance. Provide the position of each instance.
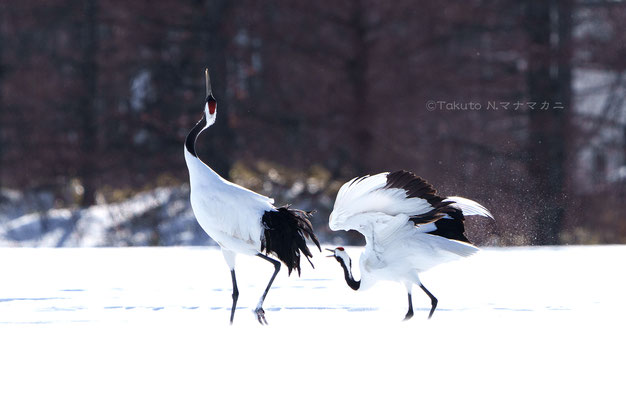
(549, 82)
(1, 103)
(88, 116)
(357, 73)
(565, 12)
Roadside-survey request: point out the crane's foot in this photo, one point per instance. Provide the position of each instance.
(260, 314)
(409, 312)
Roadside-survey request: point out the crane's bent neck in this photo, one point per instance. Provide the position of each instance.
(199, 172)
(347, 272)
(192, 136)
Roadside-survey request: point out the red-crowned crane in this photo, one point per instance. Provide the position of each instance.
(240, 220)
(408, 229)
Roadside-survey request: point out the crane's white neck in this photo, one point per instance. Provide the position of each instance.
(199, 172)
(207, 120)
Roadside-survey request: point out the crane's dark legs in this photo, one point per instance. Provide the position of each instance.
(409, 313)
(260, 313)
(235, 296)
(433, 300)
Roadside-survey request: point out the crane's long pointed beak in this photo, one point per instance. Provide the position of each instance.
(332, 251)
(207, 80)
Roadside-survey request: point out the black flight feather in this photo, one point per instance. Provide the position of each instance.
(285, 232)
(414, 186)
(451, 228)
(448, 219)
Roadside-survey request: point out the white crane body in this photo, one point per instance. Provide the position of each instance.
(240, 220)
(228, 213)
(408, 229)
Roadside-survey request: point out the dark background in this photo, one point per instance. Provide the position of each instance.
(96, 97)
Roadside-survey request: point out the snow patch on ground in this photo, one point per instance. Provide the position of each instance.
(161, 216)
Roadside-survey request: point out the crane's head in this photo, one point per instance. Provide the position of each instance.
(210, 106)
(340, 254)
(344, 260)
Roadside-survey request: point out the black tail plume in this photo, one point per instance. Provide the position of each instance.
(285, 233)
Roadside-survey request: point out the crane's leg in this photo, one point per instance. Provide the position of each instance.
(433, 300)
(260, 313)
(230, 257)
(409, 313)
(235, 296)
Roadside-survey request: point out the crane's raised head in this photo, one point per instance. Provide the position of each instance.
(340, 254)
(210, 106)
(210, 109)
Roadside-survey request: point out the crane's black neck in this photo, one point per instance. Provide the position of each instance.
(347, 273)
(192, 136)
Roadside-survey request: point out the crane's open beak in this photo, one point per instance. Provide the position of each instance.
(207, 80)
(332, 251)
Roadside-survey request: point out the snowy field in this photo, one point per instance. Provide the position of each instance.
(152, 323)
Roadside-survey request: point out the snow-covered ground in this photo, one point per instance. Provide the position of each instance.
(152, 323)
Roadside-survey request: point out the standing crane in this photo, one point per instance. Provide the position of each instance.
(240, 220)
(408, 229)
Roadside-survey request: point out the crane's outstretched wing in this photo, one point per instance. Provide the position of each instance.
(369, 200)
(376, 205)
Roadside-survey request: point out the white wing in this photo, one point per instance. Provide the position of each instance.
(364, 203)
(395, 233)
(231, 216)
(423, 251)
(367, 200)
(229, 213)
(470, 207)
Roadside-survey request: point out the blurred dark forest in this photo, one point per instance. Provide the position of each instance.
(96, 97)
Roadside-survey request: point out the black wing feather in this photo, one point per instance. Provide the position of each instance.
(448, 219)
(414, 186)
